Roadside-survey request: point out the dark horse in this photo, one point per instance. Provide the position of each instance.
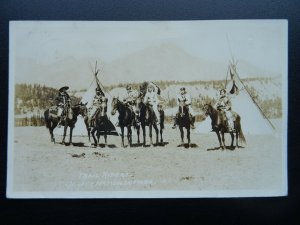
(184, 121)
(126, 119)
(101, 122)
(69, 121)
(219, 125)
(148, 118)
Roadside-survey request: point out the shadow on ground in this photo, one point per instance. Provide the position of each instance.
(76, 144)
(191, 145)
(226, 148)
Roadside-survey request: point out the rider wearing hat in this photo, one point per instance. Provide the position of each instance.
(63, 102)
(186, 98)
(152, 100)
(224, 104)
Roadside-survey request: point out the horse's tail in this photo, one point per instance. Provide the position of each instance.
(241, 134)
(242, 137)
(47, 118)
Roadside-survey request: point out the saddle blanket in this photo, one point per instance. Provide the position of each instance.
(53, 111)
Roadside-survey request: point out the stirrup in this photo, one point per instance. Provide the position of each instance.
(174, 126)
(193, 126)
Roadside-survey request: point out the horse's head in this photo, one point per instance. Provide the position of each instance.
(138, 105)
(80, 109)
(160, 108)
(114, 105)
(182, 109)
(83, 111)
(103, 107)
(208, 109)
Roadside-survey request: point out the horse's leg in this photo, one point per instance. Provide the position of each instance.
(161, 133)
(181, 134)
(105, 135)
(65, 133)
(156, 132)
(89, 134)
(71, 132)
(219, 138)
(150, 134)
(98, 136)
(51, 128)
(122, 135)
(129, 135)
(223, 140)
(232, 140)
(138, 134)
(144, 135)
(237, 138)
(93, 135)
(188, 135)
(88, 129)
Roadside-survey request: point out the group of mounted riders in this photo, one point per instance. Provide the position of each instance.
(150, 98)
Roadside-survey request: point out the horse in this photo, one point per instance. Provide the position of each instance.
(184, 121)
(148, 118)
(71, 113)
(101, 121)
(220, 126)
(126, 119)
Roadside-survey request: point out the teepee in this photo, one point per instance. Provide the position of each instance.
(253, 120)
(87, 98)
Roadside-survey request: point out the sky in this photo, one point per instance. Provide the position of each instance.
(262, 43)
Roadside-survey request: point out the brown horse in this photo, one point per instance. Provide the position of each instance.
(126, 119)
(71, 114)
(147, 118)
(183, 121)
(101, 121)
(220, 126)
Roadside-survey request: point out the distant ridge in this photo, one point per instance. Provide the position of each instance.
(161, 62)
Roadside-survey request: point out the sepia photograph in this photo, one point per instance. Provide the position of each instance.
(147, 109)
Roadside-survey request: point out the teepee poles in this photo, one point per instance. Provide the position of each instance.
(258, 107)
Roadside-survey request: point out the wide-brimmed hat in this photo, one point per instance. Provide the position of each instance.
(63, 88)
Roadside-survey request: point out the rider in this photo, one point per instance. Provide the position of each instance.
(63, 102)
(152, 99)
(224, 104)
(186, 98)
(97, 100)
(130, 99)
